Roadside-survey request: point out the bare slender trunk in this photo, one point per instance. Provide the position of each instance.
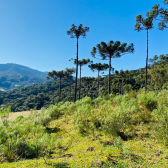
(146, 64)
(60, 90)
(98, 84)
(109, 80)
(88, 88)
(76, 72)
(122, 85)
(70, 88)
(80, 81)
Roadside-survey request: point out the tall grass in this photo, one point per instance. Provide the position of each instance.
(112, 115)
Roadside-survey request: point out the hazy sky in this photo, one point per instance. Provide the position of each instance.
(33, 32)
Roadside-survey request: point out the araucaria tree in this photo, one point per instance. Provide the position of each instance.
(147, 24)
(99, 67)
(69, 72)
(57, 75)
(76, 32)
(111, 50)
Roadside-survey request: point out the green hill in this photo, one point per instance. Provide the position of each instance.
(16, 76)
(45, 94)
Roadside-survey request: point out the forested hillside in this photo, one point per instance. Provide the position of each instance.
(42, 95)
(16, 76)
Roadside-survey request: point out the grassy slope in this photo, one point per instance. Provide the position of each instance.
(14, 115)
(69, 148)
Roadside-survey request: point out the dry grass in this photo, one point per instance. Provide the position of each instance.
(14, 115)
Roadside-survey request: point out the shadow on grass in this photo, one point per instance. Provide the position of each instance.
(59, 165)
(52, 130)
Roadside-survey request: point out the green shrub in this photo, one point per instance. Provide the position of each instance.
(132, 94)
(27, 150)
(54, 112)
(98, 101)
(160, 126)
(82, 118)
(3, 135)
(18, 119)
(45, 116)
(5, 115)
(109, 97)
(85, 100)
(148, 100)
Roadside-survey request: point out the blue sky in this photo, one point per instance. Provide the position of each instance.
(33, 32)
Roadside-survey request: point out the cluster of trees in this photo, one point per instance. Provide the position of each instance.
(42, 95)
(157, 13)
(116, 82)
(106, 51)
(110, 50)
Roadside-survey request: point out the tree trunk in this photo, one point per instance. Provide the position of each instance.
(98, 84)
(80, 81)
(109, 80)
(70, 88)
(122, 85)
(88, 88)
(76, 73)
(60, 90)
(146, 64)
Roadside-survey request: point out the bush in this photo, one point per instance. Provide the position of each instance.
(5, 115)
(82, 118)
(18, 119)
(160, 117)
(116, 121)
(27, 150)
(148, 100)
(85, 100)
(109, 97)
(3, 135)
(132, 94)
(45, 116)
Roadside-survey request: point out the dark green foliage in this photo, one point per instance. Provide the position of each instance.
(27, 150)
(70, 71)
(99, 67)
(81, 63)
(58, 75)
(109, 51)
(156, 13)
(43, 95)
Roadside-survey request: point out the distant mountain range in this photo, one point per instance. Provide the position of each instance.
(16, 76)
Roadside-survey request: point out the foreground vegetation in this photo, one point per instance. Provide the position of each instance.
(115, 131)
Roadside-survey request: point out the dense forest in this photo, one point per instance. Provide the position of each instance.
(14, 76)
(42, 95)
(65, 88)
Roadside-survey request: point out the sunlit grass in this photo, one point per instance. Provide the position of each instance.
(111, 132)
